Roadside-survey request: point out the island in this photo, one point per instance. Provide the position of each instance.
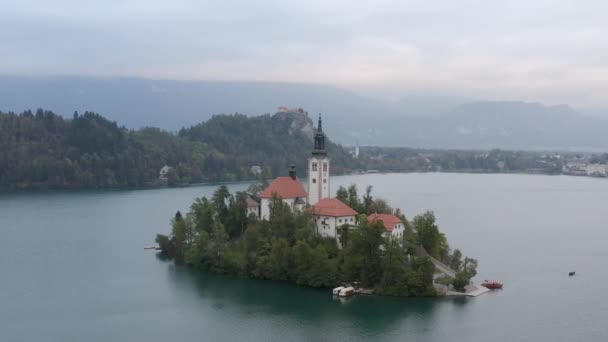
(281, 231)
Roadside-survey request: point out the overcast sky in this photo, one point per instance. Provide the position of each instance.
(551, 51)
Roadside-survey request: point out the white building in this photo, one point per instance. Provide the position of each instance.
(596, 170)
(256, 170)
(253, 207)
(289, 189)
(162, 174)
(318, 169)
(393, 225)
(330, 214)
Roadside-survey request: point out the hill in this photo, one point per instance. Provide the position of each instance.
(45, 150)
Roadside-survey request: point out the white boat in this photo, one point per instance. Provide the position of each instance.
(347, 292)
(337, 290)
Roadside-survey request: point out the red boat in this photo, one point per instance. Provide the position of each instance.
(492, 284)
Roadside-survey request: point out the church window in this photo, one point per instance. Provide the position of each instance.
(324, 180)
(325, 166)
(314, 180)
(314, 166)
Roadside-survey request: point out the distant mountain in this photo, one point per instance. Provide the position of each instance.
(168, 104)
(598, 111)
(426, 121)
(487, 125)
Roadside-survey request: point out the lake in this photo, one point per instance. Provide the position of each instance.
(73, 268)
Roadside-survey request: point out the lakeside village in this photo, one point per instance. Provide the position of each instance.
(349, 243)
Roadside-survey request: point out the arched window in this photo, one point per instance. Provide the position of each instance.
(314, 180)
(314, 166)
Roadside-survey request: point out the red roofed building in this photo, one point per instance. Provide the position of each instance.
(285, 187)
(330, 214)
(393, 225)
(289, 189)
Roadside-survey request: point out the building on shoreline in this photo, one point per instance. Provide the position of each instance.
(330, 214)
(289, 189)
(393, 225)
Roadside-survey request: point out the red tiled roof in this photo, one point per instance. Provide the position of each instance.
(332, 207)
(285, 187)
(389, 221)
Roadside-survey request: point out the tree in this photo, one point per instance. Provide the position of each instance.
(165, 245)
(420, 281)
(362, 257)
(342, 194)
(179, 235)
(172, 177)
(280, 259)
(394, 271)
(468, 271)
(322, 273)
(220, 198)
(236, 220)
(456, 260)
(281, 219)
(344, 235)
(368, 200)
(302, 254)
(353, 198)
(429, 237)
(380, 206)
(203, 215)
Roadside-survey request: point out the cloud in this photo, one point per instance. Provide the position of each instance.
(551, 51)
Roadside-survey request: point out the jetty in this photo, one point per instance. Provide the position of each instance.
(471, 290)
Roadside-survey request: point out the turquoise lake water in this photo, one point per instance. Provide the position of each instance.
(73, 268)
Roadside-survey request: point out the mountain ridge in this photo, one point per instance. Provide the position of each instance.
(424, 121)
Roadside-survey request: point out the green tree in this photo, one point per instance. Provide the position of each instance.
(236, 220)
(342, 194)
(368, 200)
(179, 234)
(203, 215)
(429, 236)
(322, 272)
(220, 198)
(353, 198)
(302, 254)
(280, 259)
(281, 220)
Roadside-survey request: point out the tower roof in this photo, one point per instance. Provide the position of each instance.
(285, 187)
(332, 207)
(319, 148)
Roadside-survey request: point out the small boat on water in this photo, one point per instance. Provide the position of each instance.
(337, 290)
(571, 273)
(492, 284)
(347, 292)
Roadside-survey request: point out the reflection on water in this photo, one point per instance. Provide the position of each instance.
(243, 298)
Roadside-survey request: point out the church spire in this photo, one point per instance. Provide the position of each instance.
(320, 126)
(319, 149)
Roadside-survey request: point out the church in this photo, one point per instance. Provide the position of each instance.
(329, 214)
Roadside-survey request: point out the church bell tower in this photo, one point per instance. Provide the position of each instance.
(318, 169)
